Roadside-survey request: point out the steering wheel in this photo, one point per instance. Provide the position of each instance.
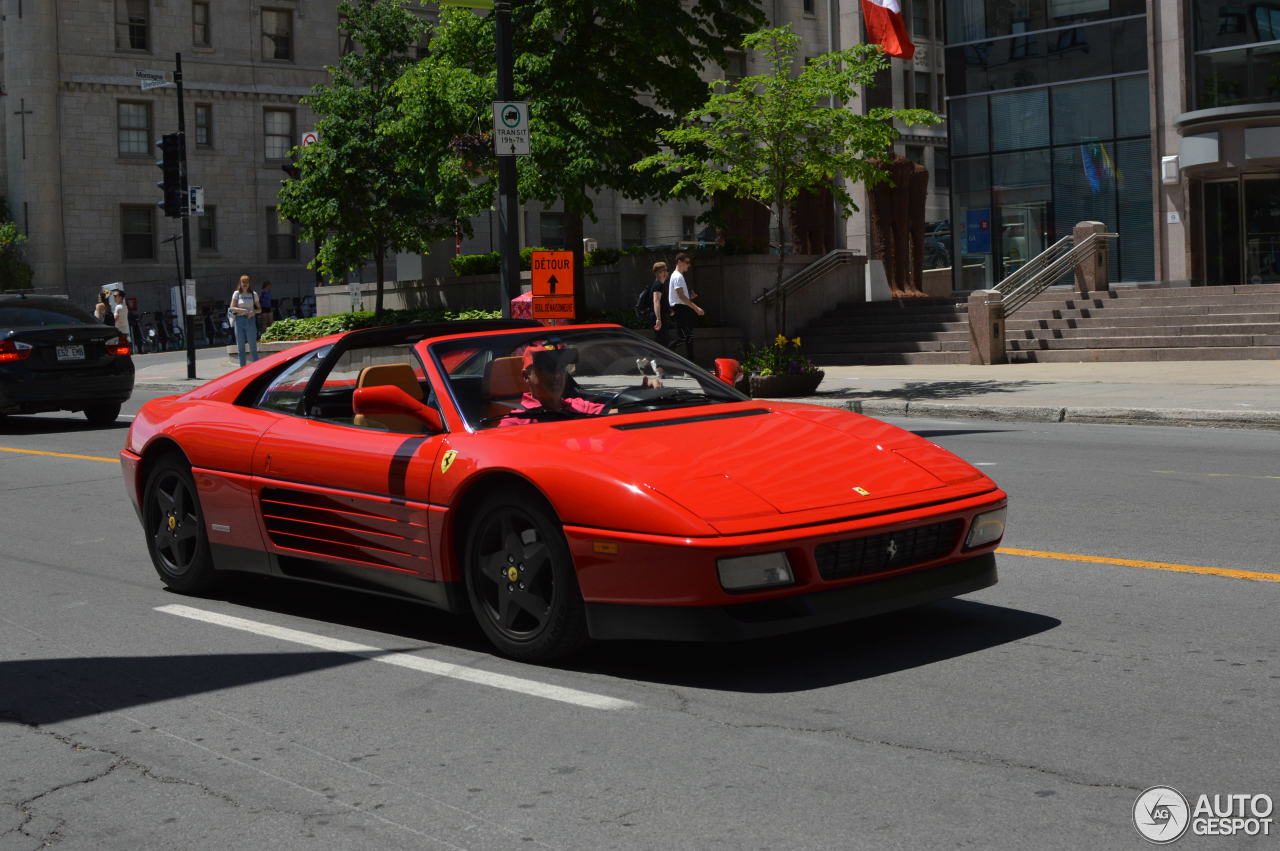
(632, 396)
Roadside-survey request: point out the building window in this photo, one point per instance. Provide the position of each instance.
(277, 133)
(735, 65)
(346, 44)
(551, 230)
(920, 20)
(137, 233)
(133, 24)
(688, 227)
(282, 238)
(133, 121)
(200, 24)
(633, 230)
(808, 7)
(277, 34)
(924, 90)
(204, 125)
(208, 224)
(941, 169)
(915, 153)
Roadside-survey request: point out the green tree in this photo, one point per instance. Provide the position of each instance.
(601, 81)
(370, 185)
(767, 138)
(15, 273)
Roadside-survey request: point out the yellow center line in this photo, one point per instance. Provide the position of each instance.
(60, 455)
(1150, 565)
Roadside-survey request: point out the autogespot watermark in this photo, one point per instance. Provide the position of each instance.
(1162, 814)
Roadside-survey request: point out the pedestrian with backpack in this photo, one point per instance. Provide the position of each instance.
(651, 304)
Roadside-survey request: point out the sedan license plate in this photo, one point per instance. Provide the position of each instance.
(70, 352)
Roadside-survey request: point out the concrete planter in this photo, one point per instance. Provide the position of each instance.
(780, 386)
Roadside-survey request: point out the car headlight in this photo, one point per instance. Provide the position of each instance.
(745, 573)
(986, 528)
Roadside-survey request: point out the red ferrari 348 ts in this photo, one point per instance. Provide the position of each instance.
(558, 483)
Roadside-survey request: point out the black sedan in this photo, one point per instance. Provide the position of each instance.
(55, 356)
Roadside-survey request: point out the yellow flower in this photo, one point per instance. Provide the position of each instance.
(797, 342)
(780, 340)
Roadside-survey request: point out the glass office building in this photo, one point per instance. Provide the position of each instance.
(1229, 151)
(1049, 122)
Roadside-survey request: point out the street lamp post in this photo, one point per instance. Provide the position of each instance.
(508, 205)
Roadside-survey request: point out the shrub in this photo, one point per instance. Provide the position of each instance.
(602, 257)
(322, 326)
(476, 264)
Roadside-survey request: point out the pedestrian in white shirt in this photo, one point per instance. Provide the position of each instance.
(681, 300)
(120, 312)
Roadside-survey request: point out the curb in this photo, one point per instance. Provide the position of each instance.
(1053, 414)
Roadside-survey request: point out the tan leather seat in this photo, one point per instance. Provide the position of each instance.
(396, 375)
(503, 385)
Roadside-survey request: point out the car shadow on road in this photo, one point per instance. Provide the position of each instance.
(924, 391)
(15, 424)
(47, 691)
(860, 650)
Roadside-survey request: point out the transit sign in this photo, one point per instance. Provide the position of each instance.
(551, 273)
(510, 128)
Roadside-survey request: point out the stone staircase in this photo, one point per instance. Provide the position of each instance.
(1128, 323)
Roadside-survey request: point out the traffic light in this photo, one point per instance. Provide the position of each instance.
(170, 164)
(292, 170)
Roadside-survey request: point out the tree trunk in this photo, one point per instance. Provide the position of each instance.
(573, 242)
(780, 297)
(378, 263)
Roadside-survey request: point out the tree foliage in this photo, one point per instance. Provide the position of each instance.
(15, 273)
(381, 177)
(601, 80)
(769, 137)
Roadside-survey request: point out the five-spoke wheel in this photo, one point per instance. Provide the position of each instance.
(520, 579)
(174, 526)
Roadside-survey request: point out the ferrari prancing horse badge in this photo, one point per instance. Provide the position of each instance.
(446, 461)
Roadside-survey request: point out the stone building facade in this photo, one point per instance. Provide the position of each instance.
(78, 136)
(80, 132)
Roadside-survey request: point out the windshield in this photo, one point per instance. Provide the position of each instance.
(555, 374)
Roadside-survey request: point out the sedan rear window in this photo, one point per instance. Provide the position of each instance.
(32, 316)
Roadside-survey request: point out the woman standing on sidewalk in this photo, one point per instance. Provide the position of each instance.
(244, 308)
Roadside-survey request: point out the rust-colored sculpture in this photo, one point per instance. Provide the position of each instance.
(813, 222)
(897, 224)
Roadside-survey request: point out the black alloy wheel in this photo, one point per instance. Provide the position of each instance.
(521, 580)
(174, 526)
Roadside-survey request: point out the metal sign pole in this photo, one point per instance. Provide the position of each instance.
(508, 206)
(187, 323)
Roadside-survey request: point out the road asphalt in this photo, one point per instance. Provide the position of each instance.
(1223, 394)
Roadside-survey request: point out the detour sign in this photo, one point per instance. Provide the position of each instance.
(552, 278)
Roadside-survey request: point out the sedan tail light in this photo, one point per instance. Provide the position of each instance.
(12, 351)
(119, 346)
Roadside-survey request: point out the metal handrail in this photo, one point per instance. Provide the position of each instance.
(1050, 265)
(1034, 265)
(810, 273)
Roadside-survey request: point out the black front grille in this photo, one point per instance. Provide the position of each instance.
(889, 551)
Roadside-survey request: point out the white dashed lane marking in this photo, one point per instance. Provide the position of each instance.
(405, 660)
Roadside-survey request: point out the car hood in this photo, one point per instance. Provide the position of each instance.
(757, 468)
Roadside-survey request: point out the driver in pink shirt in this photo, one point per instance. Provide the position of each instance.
(546, 371)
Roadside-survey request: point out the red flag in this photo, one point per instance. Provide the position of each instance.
(886, 28)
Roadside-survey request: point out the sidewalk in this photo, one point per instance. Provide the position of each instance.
(1232, 394)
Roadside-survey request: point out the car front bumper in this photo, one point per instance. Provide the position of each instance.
(780, 615)
(28, 391)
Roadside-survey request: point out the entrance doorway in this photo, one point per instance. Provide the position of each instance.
(1242, 230)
